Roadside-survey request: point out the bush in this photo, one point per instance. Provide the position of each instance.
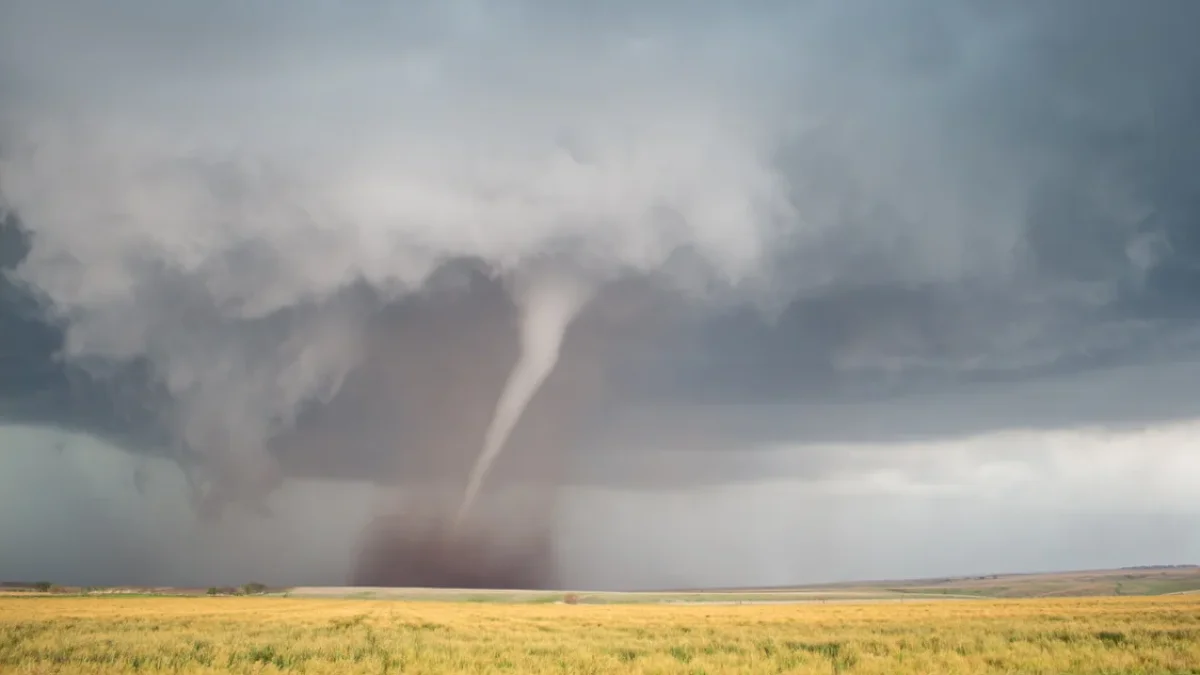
(571, 599)
(213, 590)
(254, 588)
(43, 586)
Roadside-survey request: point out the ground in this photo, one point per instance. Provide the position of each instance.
(931, 626)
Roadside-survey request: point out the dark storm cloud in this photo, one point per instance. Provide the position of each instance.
(1085, 112)
(980, 193)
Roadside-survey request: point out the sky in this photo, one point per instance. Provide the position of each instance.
(874, 289)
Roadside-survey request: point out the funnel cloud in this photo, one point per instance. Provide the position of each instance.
(557, 295)
(547, 307)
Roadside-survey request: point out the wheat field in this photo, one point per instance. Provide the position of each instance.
(269, 635)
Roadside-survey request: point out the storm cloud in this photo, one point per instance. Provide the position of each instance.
(279, 249)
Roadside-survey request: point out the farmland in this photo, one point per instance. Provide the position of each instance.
(265, 634)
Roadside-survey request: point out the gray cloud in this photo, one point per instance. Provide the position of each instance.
(813, 224)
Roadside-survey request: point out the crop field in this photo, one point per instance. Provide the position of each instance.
(73, 634)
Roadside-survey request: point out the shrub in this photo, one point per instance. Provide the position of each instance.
(571, 599)
(43, 586)
(254, 588)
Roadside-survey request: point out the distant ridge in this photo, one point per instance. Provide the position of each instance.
(1142, 580)
(1132, 580)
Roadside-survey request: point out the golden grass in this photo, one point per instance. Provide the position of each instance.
(267, 635)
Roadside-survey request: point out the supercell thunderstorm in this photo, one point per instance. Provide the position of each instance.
(241, 228)
(431, 238)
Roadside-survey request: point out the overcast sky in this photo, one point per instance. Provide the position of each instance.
(882, 289)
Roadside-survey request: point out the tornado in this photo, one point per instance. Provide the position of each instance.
(547, 305)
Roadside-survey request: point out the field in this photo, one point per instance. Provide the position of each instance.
(124, 634)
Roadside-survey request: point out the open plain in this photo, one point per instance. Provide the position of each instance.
(46, 634)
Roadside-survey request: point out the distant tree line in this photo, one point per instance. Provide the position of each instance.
(252, 588)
